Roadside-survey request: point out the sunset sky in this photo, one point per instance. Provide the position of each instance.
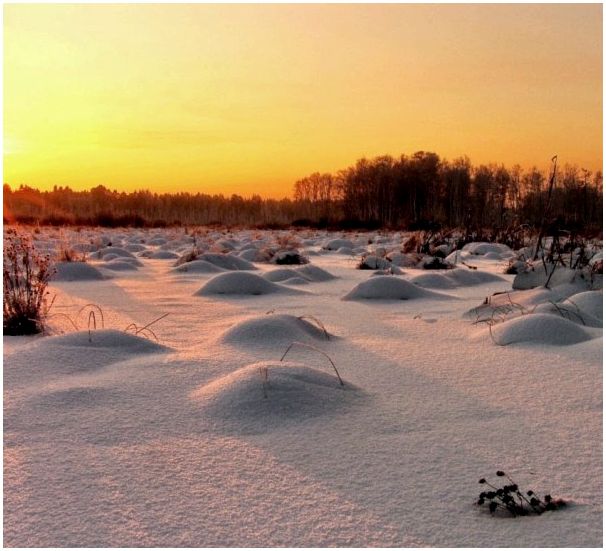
(247, 99)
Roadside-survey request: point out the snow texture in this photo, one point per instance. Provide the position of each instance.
(207, 439)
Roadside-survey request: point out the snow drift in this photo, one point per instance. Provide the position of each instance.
(227, 261)
(539, 328)
(457, 277)
(76, 271)
(266, 395)
(389, 288)
(198, 267)
(128, 343)
(274, 330)
(241, 283)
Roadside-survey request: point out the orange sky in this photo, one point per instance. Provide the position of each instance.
(247, 99)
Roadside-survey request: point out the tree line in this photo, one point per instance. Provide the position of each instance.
(424, 190)
(419, 191)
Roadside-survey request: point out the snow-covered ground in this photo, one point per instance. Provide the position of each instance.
(206, 438)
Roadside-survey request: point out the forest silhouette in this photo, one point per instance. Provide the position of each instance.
(420, 191)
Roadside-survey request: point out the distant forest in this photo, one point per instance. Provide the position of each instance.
(419, 191)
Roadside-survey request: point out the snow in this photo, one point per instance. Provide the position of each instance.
(198, 266)
(588, 302)
(280, 274)
(388, 288)
(164, 255)
(314, 273)
(115, 440)
(227, 262)
(274, 330)
(495, 250)
(120, 265)
(241, 283)
(114, 251)
(270, 395)
(106, 338)
(76, 271)
(336, 244)
(540, 328)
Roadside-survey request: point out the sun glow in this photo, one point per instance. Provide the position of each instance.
(247, 99)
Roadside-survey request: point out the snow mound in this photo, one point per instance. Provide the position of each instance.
(540, 328)
(265, 395)
(76, 271)
(241, 283)
(372, 262)
(404, 260)
(117, 251)
(314, 273)
(582, 308)
(457, 277)
(250, 255)
(336, 244)
(496, 250)
(281, 274)
(227, 261)
(389, 288)
(120, 266)
(198, 267)
(537, 276)
(467, 277)
(589, 302)
(135, 248)
(275, 329)
(435, 280)
(156, 241)
(296, 281)
(163, 255)
(107, 338)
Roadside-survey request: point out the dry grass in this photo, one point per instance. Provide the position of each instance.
(26, 274)
(310, 347)
(318, 323)
(145, 330)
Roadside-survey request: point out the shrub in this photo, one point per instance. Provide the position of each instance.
(26, 274)
(289, 257)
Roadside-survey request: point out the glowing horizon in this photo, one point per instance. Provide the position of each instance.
(249, 98)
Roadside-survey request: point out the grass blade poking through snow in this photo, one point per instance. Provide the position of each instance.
(91, 315)
(318, 323)
(93, 307)
(265, 377)
(317, 350)
(145, 330)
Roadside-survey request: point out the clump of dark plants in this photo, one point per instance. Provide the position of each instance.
(437, 263)
(512, 500)
(289, 257)
(26, 274)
